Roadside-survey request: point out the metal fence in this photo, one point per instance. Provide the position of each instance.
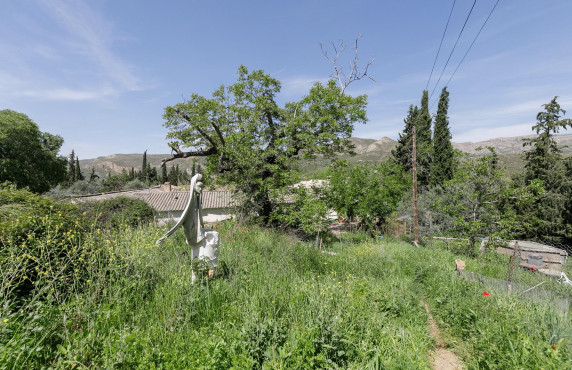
(537, 293)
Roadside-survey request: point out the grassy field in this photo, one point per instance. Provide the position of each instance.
(277, 304)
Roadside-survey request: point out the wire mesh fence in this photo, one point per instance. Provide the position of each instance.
(559, 302)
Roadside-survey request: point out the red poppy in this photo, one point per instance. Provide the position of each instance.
(486, 294)
(553, 347)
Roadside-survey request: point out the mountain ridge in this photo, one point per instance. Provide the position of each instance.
(365, 149)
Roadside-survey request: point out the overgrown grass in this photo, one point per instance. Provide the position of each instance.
(276, 304)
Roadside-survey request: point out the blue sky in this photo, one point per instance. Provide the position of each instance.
(100, 72)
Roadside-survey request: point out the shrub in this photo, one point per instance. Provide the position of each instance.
(114, 212)
(39, 239)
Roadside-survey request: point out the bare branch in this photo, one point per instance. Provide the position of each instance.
(354, 74)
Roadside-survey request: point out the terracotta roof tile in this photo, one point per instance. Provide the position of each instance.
(171, 201)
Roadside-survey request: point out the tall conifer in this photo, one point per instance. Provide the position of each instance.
(424, 145)
(164, 177)
(71, 168)
(442, 165)
(402, 153)
(144, 175)
(78, 174)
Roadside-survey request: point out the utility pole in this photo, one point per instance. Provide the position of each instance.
(414, 171)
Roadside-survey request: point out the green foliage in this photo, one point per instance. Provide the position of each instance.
(71, 168)
(443, 165)
(370, 193)
(281, 305)
(39, 241)
(544, 162)
(420, 118)
(118, 211)
(424, 142)
(252, 142)
(43, 242)
(144, 170)
(78, 174)
(303, 209)
(29, 157)
(478, 201)
(404, 150)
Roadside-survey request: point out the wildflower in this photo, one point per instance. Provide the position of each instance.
(6, 320)
(553, 347)
(486, 294)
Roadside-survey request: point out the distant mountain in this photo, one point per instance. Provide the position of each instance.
(509, 149)
(512, 145)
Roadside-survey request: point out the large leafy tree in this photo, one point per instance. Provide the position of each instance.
(29, 157)
(442, 164)
(252, 142)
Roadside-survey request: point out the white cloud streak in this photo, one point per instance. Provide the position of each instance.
(92, 34)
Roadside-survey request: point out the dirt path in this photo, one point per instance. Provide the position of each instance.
(442, 358)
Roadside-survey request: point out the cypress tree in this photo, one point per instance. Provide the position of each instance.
(93, 175)
(164, 176)
(152, 173)
(172, 175)
(442, 165)
(78, 174)
(402, 153)
(144, 175)
(424, 145)
(71, 168)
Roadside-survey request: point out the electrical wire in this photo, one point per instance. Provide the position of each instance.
(472, 43)
(440, 44)
(454, 46)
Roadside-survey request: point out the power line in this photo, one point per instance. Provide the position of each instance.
(454, 46)
(440, 44)
(472, 43)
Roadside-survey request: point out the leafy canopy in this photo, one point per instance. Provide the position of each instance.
(366, 191)
(29, 157)
(252, 142)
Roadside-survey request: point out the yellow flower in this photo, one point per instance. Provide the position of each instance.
(5, 321)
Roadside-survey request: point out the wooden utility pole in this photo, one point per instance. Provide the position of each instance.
(414, 171)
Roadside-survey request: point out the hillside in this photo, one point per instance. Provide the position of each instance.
(366, 150)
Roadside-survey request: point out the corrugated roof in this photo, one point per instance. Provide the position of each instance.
(163, 201)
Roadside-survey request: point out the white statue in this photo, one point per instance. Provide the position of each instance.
(204, 243)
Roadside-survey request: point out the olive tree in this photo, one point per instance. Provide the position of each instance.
(252, 142)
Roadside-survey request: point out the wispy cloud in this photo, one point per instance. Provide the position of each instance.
(300, 85)
(66, 94)
(63, 51)
(92, 34)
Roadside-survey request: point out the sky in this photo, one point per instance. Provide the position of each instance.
(100, 73)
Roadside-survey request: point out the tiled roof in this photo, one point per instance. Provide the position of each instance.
(171, 200)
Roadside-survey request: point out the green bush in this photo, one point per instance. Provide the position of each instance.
(39, 241)
(115, 212)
